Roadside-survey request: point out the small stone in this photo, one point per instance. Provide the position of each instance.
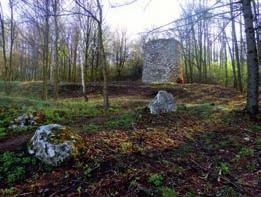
(247, 138)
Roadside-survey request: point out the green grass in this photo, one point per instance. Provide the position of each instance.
(246, 152)
(258, 142)
(257, 128)
(27, 89)
(168, 192)
(62, 111)
(25, 98)
(52, 108)
(7, 114)
(203, 110)
(2, 131)
(90, 128)
(125, 121)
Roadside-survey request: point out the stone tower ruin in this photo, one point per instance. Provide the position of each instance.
(161, 61)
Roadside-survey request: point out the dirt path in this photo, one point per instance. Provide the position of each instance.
(11, 143)
(182, 92)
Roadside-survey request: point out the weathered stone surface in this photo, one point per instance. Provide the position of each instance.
(162, 103)
(23, 121)
(161, 61)
(54, 143)
(27, 119)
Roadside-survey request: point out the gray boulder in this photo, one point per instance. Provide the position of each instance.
(163, 102)
(54, 143)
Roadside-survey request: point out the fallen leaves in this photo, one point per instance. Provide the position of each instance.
(187, 148)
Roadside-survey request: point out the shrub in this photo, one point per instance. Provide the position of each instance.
(156, 179)
(224, 168)
(246, 152)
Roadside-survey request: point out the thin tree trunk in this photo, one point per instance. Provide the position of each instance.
(46, 50)
(234, 42)
(69, 65)
(103, 59)
(56, 69)
(11, 3)
(252, 62)
(190, 63)
(6, 79)
(233, 63)
(226, 71)
(75, 61)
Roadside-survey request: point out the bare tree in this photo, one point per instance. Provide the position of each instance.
(12, 37)
(6, 74)
(55, 5)
(88, 29)
(235, 47)
(46, 14)
(102, 57)
(119, 48)
(101, 52)
(8, 63)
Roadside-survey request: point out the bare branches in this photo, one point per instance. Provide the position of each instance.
(123, 4)
(86, 10)
(200, 15)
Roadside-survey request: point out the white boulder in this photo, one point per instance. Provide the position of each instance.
(163, 102)
(54, 143)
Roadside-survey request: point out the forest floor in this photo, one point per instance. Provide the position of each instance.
(208, 147)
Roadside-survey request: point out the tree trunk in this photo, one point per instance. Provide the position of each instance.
(6, 74)
(46, 50)
(233, 62)
(225, 59)
(56, 69)
(11, 4)
(252, 62)
(234, 42)
(103, 60)
(75, 59)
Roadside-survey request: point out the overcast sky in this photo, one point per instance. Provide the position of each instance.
(142, 15)
(136, 17)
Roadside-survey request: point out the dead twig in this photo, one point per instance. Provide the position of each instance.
(237, 186)
(24, 194)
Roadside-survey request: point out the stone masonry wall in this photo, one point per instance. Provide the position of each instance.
(161, 61)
